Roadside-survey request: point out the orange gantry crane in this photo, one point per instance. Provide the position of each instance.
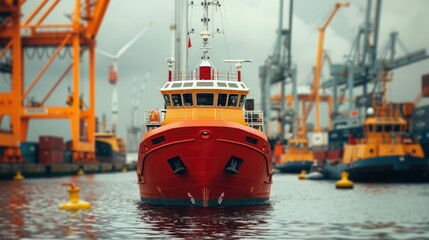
(18, 33)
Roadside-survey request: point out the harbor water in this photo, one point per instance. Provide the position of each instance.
(297, 210)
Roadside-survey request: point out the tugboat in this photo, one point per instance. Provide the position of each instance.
(204, 149)
(109, 148)
(298, 156)
(386, 153)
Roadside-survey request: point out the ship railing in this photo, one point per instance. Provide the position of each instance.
(154, 117)
(194, 75)
(254, 118)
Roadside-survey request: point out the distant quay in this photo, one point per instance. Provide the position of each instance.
(41, 170)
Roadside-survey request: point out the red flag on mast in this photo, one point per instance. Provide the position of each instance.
(189, 42)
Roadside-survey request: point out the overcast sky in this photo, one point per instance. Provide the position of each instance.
(250, 30)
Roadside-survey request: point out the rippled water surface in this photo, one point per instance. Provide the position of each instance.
(297, 210)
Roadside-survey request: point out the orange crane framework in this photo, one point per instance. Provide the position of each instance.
(18, 33)
(315, 97)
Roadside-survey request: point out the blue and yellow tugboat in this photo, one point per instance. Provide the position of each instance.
(386, 153)
(298, 156)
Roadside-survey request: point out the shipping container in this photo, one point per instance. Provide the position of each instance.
(405, 108)
(51, 156)
(29, 148)
(68, 145)
(319, 139)
(421, 113)
(336, 146)
(50, 143)
(342, 135)
(319, 155)
(367, 100)
(425, 85)
(334, 154)
(425, 148)
(422, 136)
(68, 156)
(420, 124)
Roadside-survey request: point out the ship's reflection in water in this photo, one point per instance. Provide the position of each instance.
(197, 222)
(297, 210)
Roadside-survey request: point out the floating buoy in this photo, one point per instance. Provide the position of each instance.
(124, 169)
(344, 183)
(74, 202)
(80, 172)
(18, 176)
(301, 176)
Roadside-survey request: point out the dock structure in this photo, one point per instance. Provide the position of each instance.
(41, 170)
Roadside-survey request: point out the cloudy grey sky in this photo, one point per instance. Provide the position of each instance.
(250, 27)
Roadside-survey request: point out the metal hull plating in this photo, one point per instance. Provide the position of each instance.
(294, 167)
(382, 169)
(189, 163)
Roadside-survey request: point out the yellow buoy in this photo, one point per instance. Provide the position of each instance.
(74, 202)
(344, 183)
(80, 172)
(124, 169)
(301, 176)
(18, 176)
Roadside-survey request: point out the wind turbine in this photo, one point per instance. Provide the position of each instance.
(113, 72)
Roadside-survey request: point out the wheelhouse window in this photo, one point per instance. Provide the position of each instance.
(393, 128)
(232, 100)
(187, 99)
(177, 100)
(167, 100)
(221, 99)
(205, 99)
(242, 100)
(378, 128)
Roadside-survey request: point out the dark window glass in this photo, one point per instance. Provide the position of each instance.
(221, 99)
(242, 100)
(167, 100)
(397, 128)
(388, 128)
(187, 99)
(205, 99)
(177, 100)
(378, 128)
(232, 100)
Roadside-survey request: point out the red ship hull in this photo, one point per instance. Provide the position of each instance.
(204, 163)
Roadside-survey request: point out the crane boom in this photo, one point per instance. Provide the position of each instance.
(314, 97)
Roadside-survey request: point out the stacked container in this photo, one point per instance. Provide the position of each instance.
(420, 127)
(51, 149)
(30, 151)
(337, 138)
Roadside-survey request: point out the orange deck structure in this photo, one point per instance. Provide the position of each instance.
(18, 33)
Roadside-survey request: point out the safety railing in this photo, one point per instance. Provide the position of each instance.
(154, 118)
(194, 75)
(254, 118)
